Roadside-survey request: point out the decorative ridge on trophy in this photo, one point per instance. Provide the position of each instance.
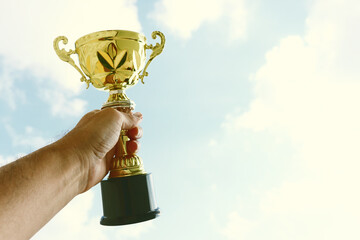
(115, 60)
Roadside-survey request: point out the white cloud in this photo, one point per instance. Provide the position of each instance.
(8, 159)
(183, 17)
(237, 227)
(238, 18)
(63, 104)
(74, 222)
(8, 92)
(308, 91)
(135, 231)
(30, 138)
(29, 28)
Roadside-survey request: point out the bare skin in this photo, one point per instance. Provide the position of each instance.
(34, 188)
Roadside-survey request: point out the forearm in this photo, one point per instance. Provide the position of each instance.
(34, 188)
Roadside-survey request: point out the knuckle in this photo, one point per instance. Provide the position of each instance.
(113, 113)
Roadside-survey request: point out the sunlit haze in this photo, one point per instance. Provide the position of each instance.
(251, 113)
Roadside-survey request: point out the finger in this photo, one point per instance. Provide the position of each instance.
(135, 133)
(109, 158)
(115, 119)
(138, 114)
(130, 120)
(132, 146)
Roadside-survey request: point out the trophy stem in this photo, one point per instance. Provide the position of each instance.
(118, 99)
(124, 164)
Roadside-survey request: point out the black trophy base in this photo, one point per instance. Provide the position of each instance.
(128, 200)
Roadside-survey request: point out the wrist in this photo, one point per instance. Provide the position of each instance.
(72, 168)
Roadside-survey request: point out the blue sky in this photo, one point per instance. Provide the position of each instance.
(250, 113)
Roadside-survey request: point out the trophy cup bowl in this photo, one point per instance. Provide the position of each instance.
(115, 60)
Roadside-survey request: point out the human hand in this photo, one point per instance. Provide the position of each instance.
(95, 141)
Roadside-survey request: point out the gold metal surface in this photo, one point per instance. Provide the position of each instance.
(65, 56)
(157, 49)
(114, 60)
(126, 164)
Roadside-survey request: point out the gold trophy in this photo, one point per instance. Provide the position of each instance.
(115, 60)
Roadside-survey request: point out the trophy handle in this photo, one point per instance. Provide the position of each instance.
(156, 50)
(65, 56)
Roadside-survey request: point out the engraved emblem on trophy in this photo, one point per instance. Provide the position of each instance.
(115, 60)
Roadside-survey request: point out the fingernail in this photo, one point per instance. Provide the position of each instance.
(139, 133)
(138, 115)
